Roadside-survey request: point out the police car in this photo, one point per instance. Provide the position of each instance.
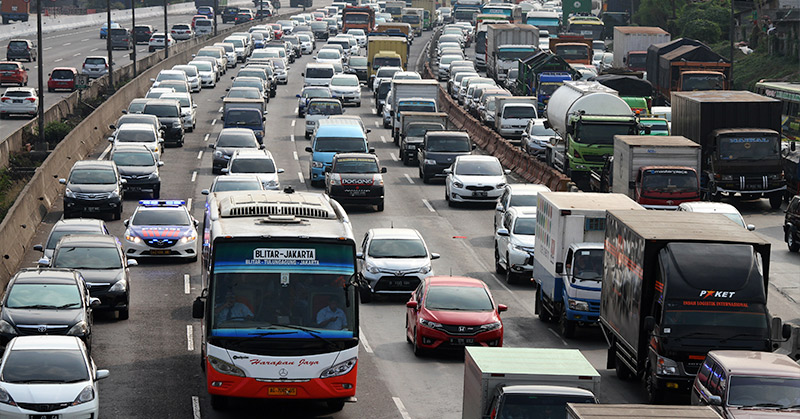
(161, 228)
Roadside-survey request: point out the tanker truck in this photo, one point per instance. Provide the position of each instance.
(587, 116)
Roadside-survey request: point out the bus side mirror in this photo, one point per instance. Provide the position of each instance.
(649, 323)
(198, 308)
(559, 267)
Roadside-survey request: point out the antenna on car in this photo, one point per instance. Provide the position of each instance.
(391, 224)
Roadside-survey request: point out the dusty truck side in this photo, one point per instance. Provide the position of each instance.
(739, 135)
(568, 255)
(426, 98)
(413, 126)
(639, 411)
(656, 172)
(499, 380)
(685, 65)
(635, 39)
(520, 40)
(676, 285)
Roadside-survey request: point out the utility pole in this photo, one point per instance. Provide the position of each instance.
(133, 34)
(108, 47)
(166, 32)
(41, 144)
(731, 33)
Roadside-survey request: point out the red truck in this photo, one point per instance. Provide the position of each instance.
(14, 10)
(355, 17)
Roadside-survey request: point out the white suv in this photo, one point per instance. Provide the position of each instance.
(157, 41)
(19, 100)
(514, 242)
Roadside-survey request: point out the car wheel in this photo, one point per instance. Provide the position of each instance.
(497, 266)
(380, 206)
(118, 213)
(566, 326)
(3, 116)
(123, 314)
(426, 179)
(511, 278)
(157, 192)
(418, 351)
(365, 294)
(50, 90)
(791, 242)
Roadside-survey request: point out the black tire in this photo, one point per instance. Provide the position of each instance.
(792, 242)
(511, 277)
(380, 206)
(123, 314)
(219, 402)
(497, 266)
(418, 352)
(118, 213)
(544, 316)
(157, 192)
(335, 405)
(653, 395)
(566, 327)
(426, 179)
(50, 90)
(365, 294)
(775, 200)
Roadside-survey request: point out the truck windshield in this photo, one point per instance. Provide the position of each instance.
(419, 130)
(514, 54)
(748, 391)
(546, 89)
(572, 52)
(410, 19)
(519, 112)
(703, 82)
(393, 10)
(714, 317)
(588, 264)
(386, 62)
(587, 30)
(340, 145)
(601, 134)
(416, 106)
(669, 181)
(537, 406)
(751, 147)
(637, 60)
(356, 18)
(356, 165)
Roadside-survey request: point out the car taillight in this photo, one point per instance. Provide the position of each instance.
(84, 65)
(31, 99)
(173, 32)
(3, 99)
(106, 65)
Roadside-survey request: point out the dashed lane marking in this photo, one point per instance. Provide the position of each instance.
(428, 204)
(195, 407)
(76, 54)
(189, 338)
(408, 178)
(206, 137)
(189, 204)
(293, 122)
(199, 154)
(187, 284)
(220, 109)
(364, 342)
(48, 48)
(58, 60)
(294, 154)
(194, 175)
(300, 176)
(401, 408)
(291, 137)
(383, 138)
(214, 121)
(393, 156)
(377, 124)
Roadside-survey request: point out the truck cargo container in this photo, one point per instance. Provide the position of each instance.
(393, 50)
(430, 7)
(685, 65)
(522, 41)
(497, 378)
(639, 411)
(422, 91)
(568, 255)
(739, 135)
(14, 10)
(676, 285)
(629, 39)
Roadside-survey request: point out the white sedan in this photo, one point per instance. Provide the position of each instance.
(474, 179)
(64, 379)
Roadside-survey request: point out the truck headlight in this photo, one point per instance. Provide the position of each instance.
(226, 368)
(341, 368)
(666, 366)
(578, 305)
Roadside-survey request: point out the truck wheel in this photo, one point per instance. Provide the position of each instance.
(653, 395)
(791, 242)
(623, 372)
(775, 200)
(497, 266)
(566, 326)
(544, 316)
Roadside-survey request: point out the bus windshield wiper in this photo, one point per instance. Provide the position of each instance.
(311, 332)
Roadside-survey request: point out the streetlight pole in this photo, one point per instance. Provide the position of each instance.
(133, 34)
(216, 12)
(108, 47)
(41, 144)
(166, 32)
(732, 31)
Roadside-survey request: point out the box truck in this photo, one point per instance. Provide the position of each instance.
(632, 42)
(639, 411)
(506, 44)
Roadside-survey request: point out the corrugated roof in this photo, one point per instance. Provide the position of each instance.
(649, 30)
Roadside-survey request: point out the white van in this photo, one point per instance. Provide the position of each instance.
(318, 74)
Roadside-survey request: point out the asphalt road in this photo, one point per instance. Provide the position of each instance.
(154, 356)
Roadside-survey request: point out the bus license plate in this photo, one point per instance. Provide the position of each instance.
(480, 193)
(282, 391)
(461, 341)
(159, 252)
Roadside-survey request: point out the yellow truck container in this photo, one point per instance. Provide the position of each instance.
(385, 51)
(414, 17)
(430, 6)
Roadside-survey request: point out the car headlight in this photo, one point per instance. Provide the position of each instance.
(425, 269)
(666, 366)
(490, 326)
(317, 164)
(190, 238)
(176, 124)
(225, 367)
(429, 162)
(430, 324)
(131, 238)
(458, 184)
(119, 286)
(578, 305)
(7, 328)
(341, 368)
(153, 175)
(80, 328)
(500, 185)
(371, 268)
(86, 395)
(68, 193)
(518, 248)
(6, 398)
(114, 193)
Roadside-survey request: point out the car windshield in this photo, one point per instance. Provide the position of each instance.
(525, 226)
(44, 366)
(93, 177)
(519, 112)
(256, 84)
(540, 130)
(56, 235)
(316, 92)
(171, 76)
(458, 298)
(44, 296)
(237, 185)
(190, 71)
(329, 55)
(202, 66)
(344, 81)
(356, 165)
(451, 145)
(319, 73)
(324, 108)
(136, 107)
(340, 145)
(237, 140)
(245, 165)
(386, 72)
(160, 217)
(87, 258)
(252, 73)
(397, 248)
(358, 61)
(419, 130)
(750, 391)
(162, 111)
(136, 136)
(203, 22)
(588, 264)
(519, 200)
(95, 61)
(479, 168)
(130, 158)
(184, 100)
(62, 75)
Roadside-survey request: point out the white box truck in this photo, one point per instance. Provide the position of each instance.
(427, 91)
(639, 411)
(568, 255)
(505, 44)
(498, 378)
(631, 42)
(658, 172)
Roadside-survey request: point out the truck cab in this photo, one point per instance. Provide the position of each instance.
(412, 104)
(666, 187)
(533, 400)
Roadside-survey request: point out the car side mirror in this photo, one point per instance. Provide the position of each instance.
(62, 181)
(101, 374)
(94, 302)
(198, 308)
(160, 163)
(205, 192)
(503, 232)
(448, 171)
(501, 308)
(368, 130)
(124, 111)
(133, 262)
(161, 140)
(212, 146)
(43, 262)
(38, 248)
(281, 170)
(649, 323)
(297, 96)
(383, 170)
(309, 150)
(714, 400)
(224, 171)
(112, 126)
(751, 227)
(412, 304)
(371, 150)
(126, 222)
(507, 171)
(194, 105)
(474, 146)
(559, 267)
(123, 181)
(110, 139)
(328, 169)
(152, 79)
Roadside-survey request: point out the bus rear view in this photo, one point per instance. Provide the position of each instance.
(279, 310)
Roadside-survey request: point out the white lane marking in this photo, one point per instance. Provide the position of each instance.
(294, 154)
(76, 54)
(97, 49)
(214, 121)
(293, 122)
(189, 337)
(45, 49)
(295, 110)
(102, 155)
(68, 43)
(408, 178)
(292, 137)
(428, 204)
(401, 408)
(82, 40)
(383, 138)
(187, 285)
(35, 67)
(374, 111)
(58, 59)
(220, 109)
(189, 204)
(372, 101)
(377, 124)
(199, 154)
(393, 156)
(206, 137)
(558, 336)
(300, 176)
(195, 407)
(194, 175)
(364, 341)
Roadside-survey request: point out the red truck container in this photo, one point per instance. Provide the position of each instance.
(14, 10)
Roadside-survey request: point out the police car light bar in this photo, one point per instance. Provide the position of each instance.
(162, 203)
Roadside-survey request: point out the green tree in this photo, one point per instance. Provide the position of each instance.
(702, 30)
(718, 13)
(653, 13)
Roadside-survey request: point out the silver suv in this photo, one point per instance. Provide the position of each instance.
(95, 66)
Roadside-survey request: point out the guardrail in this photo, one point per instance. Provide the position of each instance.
(43, 190)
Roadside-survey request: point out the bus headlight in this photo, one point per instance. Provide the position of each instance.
(341, 368)
(223, 367)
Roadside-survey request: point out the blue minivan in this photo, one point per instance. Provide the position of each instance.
(251, 118)
(332, 139)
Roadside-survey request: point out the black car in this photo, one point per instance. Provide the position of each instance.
(228, 141)
(229, 14)
(791, 224)
(439, 150)
(95, 187)
(357, 65)
(355, 179)
(139, 167)
(383, 91)
(168, 112)
(320, 30)
(103, 265)
(21, 49)
(47, 301)
(142, 33)
(71, 226)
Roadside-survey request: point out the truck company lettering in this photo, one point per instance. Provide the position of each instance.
(715, 304)
(716, 294)
(277, 363)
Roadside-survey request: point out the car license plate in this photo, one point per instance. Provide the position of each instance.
(45, 416)
(134, 188)
(462, 341)
(480, 193)
(159, 252)
(282, 391)
(17, 100)
(357, 193)
(92, 209)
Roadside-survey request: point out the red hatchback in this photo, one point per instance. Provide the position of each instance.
(62, 78)
(450, 312)
(12, 72)
(277, 30)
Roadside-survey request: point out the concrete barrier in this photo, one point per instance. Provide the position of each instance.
(43, 190)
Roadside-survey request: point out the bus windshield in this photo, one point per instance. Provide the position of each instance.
(282, 290)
